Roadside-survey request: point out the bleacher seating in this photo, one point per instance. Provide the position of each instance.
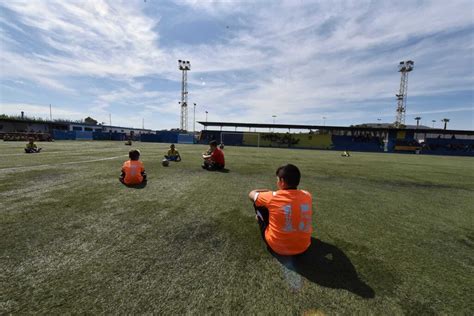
(373, 144)
(449, 146)
(207, 136)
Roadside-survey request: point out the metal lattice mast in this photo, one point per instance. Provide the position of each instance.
(404, 68)
(184, 66)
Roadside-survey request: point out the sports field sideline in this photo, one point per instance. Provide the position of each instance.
(396, 233)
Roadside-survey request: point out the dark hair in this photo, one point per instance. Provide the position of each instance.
(290, 174)
(213, 143)
(134, 154)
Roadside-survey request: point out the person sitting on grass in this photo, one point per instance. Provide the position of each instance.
(285, 216)
(128, 142)
(213, 158)
(133, 171)
(173, 154)
(31, 147)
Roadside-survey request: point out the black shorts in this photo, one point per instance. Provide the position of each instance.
(210, 165)
(263, 218)
(122, 178)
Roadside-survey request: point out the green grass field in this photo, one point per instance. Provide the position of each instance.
(396, 234)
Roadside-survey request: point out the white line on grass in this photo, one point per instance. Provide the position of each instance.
(23, 154)
(60, 152)
(63, 163)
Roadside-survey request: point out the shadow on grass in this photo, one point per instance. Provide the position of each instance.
(328, 266)
(225, 170)
(136, 186)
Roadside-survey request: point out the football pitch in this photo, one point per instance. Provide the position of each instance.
(393, 234)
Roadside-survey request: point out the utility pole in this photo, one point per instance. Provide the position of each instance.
(194, 120)
(445, 120)
(417, 119)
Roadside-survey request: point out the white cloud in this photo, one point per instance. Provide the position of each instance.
(86, 38)
(299, 66)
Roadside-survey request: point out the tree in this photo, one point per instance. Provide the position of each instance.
(90, 120)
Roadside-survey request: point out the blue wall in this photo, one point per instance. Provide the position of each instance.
(83, 135)
(161, 137)
(64, 135)
(185, 139)
(79, 135)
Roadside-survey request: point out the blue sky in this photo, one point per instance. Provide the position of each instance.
(298, 60)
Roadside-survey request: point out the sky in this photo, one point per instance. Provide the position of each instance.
(305, 62)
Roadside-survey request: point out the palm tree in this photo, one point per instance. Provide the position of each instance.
(445, 120)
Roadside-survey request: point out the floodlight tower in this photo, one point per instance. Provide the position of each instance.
(404, 68)
(184, 66)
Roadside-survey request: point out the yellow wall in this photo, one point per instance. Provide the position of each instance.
(314, 141)
(250, 139)
(401, 135)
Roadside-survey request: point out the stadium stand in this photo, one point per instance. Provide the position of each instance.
(25, 136)
(356, 138)
(167, 137)
(18, 128)
(376, 138)
(452, 146)
(357, 143)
